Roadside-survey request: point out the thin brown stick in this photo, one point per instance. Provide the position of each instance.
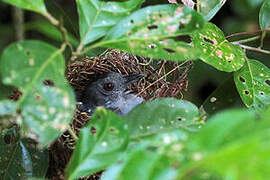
(246, 33)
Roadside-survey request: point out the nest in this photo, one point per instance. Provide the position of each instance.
(162, 79)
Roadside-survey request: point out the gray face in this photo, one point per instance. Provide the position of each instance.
(109, 89)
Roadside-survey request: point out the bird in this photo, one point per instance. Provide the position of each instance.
(110, 91)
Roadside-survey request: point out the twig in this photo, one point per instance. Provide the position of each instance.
(262, 38)
(253, 49)
(246, 33)
(18, 20)
(198, 6)
(246, 40)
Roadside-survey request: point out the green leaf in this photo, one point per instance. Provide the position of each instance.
(20, 158)
(209, 8)
(234, 141)
(157, 32)
(103, 148)
(50, 31)
(32, 5)
(253, 84)
(264, 15)
(143, 165)
(161, 115)
(97, 17)
(47, 101)
(216, 50)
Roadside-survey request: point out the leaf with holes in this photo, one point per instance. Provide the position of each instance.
(47, 101)
(97, 17)
(20, 158)
(264, 16)
(104, 147)
(157, 32)
(209, 8)
(216, 50)
(32, 5)
(161, 115)
(253, 84)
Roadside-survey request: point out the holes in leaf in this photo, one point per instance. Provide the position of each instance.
(152, 46)
(93, 130)
(267, 82)
(261, 93)
(28, 53)
(208, 40)
(7, 139)
(48, 83)
(131, 21)
(169, 50)
(246, 92)
(152, 27)
(242, 79)
(182, 38)
(38, 97)
(179, 118)
(112, 129)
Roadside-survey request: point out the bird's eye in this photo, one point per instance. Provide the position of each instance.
(108, 86)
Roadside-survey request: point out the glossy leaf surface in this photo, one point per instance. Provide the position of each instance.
(264, 16)
(97, 17)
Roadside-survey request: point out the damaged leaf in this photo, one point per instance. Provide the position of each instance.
(157, 32)
(216, 50)
(253, 84)
(47, 101)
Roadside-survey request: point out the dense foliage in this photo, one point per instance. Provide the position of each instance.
(161, 139)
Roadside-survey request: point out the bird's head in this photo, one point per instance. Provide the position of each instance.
(108, 87)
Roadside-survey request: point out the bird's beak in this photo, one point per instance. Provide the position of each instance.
(133, 78)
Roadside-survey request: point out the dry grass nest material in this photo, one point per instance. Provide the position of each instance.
(161, 79)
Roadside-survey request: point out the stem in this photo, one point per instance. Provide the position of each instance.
(72, 133)
(198, 6)
(246, 40)
(254, 49)
(245, 33)
(262, 38)
(18, 20)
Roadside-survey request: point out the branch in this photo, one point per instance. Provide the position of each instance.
(245, 33)
(18, 22)
(252, 48)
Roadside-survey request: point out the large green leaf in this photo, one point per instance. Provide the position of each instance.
(264, 16)
(143, 165)
(47, 102)
(161, 115)
(95, 152)
(20, 158)
(33, 5)
(233, 142)
(97, 17)
(209, 8)
(253, 84)
(216, 50)
(156, 32)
